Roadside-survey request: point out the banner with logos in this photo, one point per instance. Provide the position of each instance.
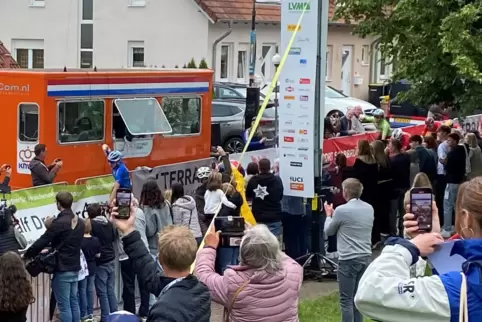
(297, 97)
(472, 123)
(36, 204)
(166, 175)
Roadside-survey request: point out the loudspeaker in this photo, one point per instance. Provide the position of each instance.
(252, 105)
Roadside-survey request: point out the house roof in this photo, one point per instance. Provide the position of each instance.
(6, 59)
(241, 10)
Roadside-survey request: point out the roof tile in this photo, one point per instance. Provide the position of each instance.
(240, 10)
(6, 59)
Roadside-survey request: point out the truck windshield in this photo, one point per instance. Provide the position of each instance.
(143, 116)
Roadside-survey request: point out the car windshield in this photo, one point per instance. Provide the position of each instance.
(332, 93)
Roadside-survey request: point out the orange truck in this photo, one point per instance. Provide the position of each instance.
(154, 117)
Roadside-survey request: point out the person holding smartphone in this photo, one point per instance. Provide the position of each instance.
(8, 172)
(40, 172)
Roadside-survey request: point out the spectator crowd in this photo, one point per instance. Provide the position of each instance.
(159, 244)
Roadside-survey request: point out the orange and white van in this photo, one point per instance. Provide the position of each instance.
(154, 117)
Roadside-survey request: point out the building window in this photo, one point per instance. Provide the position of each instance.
(30, 58)
(242, 63)
(184, 114)
(224, 61)
(137, 3)
(28, 120)
(81, 121)
(365, 55)
(136, 54)
(87, 10)
(37, 3)
(267, 67)
(383, 67)
(87, 35)
(329, 62)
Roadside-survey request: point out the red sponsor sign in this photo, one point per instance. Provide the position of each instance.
(305, 81)
(289, 139)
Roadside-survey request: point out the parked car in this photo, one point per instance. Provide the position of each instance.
(234, 92)
(230, 117)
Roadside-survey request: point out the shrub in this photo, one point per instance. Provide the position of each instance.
(192, 64)
(203, 64)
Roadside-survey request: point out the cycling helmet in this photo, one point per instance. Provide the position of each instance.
(429, 121)
(397, 134)
(203, 172)
(378, 112)
(114, 156)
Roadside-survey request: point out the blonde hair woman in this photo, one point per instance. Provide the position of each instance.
(475, 156)
(365, 169)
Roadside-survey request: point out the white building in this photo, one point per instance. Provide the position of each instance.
(168, 33)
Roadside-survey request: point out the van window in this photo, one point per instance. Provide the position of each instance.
(81, 121)
(143, 116)
(28, 126)
(184, 114)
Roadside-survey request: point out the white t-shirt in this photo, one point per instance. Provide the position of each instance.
(213, 200)
(442, 151)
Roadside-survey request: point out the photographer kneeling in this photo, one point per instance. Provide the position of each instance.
(180, 296)
(11, 239)
(264, 287)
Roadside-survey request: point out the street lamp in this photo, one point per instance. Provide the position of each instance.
(276, 60)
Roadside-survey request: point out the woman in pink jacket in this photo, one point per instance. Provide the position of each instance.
(264, 287)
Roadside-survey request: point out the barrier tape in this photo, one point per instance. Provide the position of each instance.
(274, 82)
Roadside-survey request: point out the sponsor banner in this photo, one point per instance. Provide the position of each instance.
(36, 204)
(472, 123)
(297, 101)
(166, 175)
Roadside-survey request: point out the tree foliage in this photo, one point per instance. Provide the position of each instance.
(436, 45)
(203, 64)
(192, 63)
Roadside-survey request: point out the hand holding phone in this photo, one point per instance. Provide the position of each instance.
(123, 200)
(421, 207)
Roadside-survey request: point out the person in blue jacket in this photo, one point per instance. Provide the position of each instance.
(258, 141)
(119, 170)
(386, 291)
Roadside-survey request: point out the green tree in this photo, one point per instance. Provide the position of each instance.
(203, 64)
(192, 64)
(435, 44)
(184, 66)
(177, 66)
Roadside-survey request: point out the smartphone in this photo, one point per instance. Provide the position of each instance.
(123, 199)
(421, 207)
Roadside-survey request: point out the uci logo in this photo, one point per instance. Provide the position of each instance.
(296, 179)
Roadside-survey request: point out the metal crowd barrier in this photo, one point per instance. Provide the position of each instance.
(63, 183)
(82, 180)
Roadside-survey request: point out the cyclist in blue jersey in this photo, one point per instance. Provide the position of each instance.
(119, 170)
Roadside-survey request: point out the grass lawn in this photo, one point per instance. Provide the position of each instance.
(325, 308)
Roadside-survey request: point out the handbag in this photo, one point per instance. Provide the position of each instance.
(46, 262)
(463, 307)
(227, 311)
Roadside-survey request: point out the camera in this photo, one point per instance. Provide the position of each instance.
(232, 230)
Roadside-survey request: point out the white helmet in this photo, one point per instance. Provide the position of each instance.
(378, 112)
(397, 134)
(203, 172)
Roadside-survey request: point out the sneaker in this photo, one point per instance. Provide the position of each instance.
(446, 234)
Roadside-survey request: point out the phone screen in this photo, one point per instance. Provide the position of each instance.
(123, 201)
(421, 207)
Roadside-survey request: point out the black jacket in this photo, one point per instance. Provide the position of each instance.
(455, 165)
(8, 241)
(41, 173)
(68, 256)
(345, 125)
(185, 301)
(200, 202)
(266, 192)
(426, 162)
(107, 235)
(401, 171)
(225, 211)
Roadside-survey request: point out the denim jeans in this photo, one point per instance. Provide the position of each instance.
(86, 297)
(105, 287)
(65, 287)
(275, 228)
(349, 275)
(295, 229)
(449, 204)
(226, 256)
